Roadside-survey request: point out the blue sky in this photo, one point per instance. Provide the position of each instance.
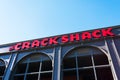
(30, 19)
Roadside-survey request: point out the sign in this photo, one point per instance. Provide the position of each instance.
(67, 38)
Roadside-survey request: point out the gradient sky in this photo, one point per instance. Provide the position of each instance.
(30, 19)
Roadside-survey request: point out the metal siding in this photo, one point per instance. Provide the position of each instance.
(117, 44)
(114, 57)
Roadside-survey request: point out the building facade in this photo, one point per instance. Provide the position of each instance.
(86, 55)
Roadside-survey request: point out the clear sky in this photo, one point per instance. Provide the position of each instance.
(30, 19)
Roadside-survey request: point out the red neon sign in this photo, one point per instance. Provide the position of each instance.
(96, 34)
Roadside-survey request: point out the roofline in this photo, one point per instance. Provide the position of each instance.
(9, 44)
